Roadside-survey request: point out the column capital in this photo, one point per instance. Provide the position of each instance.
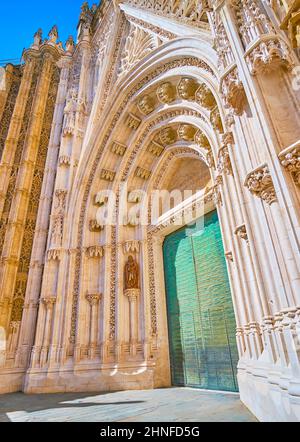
(93, 298)
(260, 184)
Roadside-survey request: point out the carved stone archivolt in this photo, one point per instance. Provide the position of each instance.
(260, 184)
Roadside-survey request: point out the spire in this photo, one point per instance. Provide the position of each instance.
(37, 39)
(70, 45)
(53, 35)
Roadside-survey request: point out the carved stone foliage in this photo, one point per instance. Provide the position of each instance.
(233, 92)
(269, 55)
(260, 184)
(138, 45)
(215, 119)
(191, 12)
(224, 162)
(94, 251)
(222, 44)
(290, 160)
(265, 48)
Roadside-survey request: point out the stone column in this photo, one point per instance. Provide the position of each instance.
(133, 295)
(15, 126)
(17, 217)
(40, 239)
(49, 304)
(93, 300)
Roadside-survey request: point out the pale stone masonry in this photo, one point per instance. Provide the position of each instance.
(149, 90)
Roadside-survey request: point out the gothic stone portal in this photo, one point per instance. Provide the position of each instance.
(201, 321)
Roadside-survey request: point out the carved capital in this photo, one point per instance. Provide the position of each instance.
(131, 246)
(260, 184)
(93, 298)
(94, 251)
(132, 294)
(49, 301)
(267, 54)
(290, 160)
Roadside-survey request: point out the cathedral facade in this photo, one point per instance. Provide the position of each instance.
(98, 290)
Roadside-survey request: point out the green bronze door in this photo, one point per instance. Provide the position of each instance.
(201, 320)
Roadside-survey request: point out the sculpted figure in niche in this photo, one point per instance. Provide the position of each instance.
(131, 274)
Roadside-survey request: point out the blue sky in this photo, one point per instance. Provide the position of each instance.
(21, 18)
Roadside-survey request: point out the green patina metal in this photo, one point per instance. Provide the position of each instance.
(201, 320)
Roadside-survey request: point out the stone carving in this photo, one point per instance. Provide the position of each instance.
(186, 132)
(202, 140)
(205, 97)
(53, 35)
(224, 162)
(166, 93)
(241, 232)
(233, 92)
(191, 12)
(142, 173)
(49, 301)
(139, 43)
(70, 45)
(187, 88)
(64, 160)
(229, 256)
(146, 104)
(215, 119)
(269, 55)
(260, 184)
(94, 251)
(290, 160)
(58, 217)
(155, 148)
(54, 254)
(118, 148)
(37, 39)
(107, 175)
(93, 298)
(168, 135)
(101, 198)
(131, 246)
(131, 274)
(70, 113)
(133, 121)
(222, 45)
(135, 196)
(94, 226)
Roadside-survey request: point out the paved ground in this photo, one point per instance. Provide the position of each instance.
(162, 405)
